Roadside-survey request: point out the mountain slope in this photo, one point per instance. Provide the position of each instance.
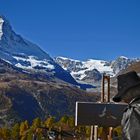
(80, 69)
(14, 44)
(28, 56)
(24, 96)
(134, 67)
(91, 71)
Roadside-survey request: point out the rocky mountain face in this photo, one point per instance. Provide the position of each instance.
(23, 54)
(122, 63)
(81, 70)
(91, 71)
(134, 67)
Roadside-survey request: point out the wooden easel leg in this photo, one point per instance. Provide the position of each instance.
(95, 132)
(107, 133)
(91, 133)
(110, 133)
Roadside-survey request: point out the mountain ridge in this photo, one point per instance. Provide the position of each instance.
(33, 84)
(90, 71)
(28, 56)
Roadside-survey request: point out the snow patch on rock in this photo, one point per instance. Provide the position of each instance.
(33, 62)
(1, 26)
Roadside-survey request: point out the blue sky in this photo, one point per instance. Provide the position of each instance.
(79, 29)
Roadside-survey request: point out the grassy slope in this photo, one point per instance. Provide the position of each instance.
(26, 96)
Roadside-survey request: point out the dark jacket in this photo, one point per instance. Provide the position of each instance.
(131, 121)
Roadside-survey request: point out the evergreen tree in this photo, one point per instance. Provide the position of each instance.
(49, 122)
(36, 123)
(5, 134)
(24, 126)
(71, 122)
(30, 135)
(64, 119)
(15, 132)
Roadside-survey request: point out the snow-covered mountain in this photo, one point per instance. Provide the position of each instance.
(91, 71)
(121, 63)
(32, 83)
(82, 70)
(26, 55)
(30, 58)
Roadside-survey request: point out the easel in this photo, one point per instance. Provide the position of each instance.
(107, 135)
(107, 132)
(101, 113)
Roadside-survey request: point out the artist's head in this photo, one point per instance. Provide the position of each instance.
(128, 87)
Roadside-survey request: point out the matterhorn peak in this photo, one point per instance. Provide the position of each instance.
(13, 44)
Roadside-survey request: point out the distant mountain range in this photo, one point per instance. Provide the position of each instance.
(32, 84)
(91, 71)
(29, 57)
